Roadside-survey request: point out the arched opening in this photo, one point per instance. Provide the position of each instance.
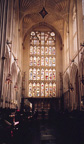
(77, 90)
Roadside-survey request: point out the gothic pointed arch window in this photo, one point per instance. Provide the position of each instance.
(42, 64)
(30, 90)
(50, 89)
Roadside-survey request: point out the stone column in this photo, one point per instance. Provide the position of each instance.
(3, 23)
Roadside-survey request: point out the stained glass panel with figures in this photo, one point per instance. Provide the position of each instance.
(42, 64)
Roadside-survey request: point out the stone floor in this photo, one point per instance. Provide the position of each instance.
(58, 131)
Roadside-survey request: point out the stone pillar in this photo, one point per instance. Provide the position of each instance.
(3, 23)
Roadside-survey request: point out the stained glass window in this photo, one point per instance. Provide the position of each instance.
(50, 61)
(38, 50)
(46, 74)
(46, 61)
(53, 61)
(38, 74)
(30, 90)
(53, 50)
(34, 61)
(34, 74)
(42, 89)
(42, 50)
(38, 61)
(30, 74)
(42, 61)
(50, 74)
(42, 74)
(38, 89)
(31, 50)
(54, 89)
(50, 50)
(46, 50)
(54, 74)
(42, 64)
(46, 90)
(31, 61)
(50, 89)
(34, 89)
(34, 49)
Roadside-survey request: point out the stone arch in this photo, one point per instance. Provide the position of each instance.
(66, 91)
(66, 81)
(14, 70)
(81, 74)
(74, 95)
(45, 25)
(6, 71)
(14, 79)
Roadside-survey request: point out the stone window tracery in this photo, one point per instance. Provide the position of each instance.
(42, 65)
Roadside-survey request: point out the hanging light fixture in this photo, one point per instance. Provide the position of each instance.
(43, 12)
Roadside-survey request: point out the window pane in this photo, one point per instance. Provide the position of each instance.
(46, 50)
(38, 50)
(34, 61)
(30, 74)
(42, 74)
(31, 61)
(30, 90)
(52, 34)
(46, 89)
(46, 61)
(53, 50)
(42, 89)
(50, 50)
(38, 74)
(54, 74)
(38, 61)
(42, 61)
(34, 74)
(34, 49)
(33, 33)
(42, 50)
(54, 89)
(34, 89)
(38, 89)
(46, 74)
(53, 61)
(50, 61)
(42, 42)
(50, 74)
(31, 50)
(50, 89)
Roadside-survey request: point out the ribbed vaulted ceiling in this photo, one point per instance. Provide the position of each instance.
(57, 13)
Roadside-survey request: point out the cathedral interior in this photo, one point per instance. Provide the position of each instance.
(42, 71)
